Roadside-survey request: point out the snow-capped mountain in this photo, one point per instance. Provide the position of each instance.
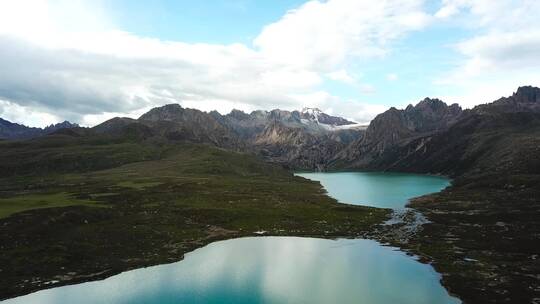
(327, 122)
(319, 116)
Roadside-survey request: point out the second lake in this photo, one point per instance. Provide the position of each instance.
(377, 189)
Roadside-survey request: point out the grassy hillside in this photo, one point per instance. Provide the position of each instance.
(63, 153)
(106, 207)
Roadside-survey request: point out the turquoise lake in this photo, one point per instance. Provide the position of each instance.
(377, 189)
(267, 270)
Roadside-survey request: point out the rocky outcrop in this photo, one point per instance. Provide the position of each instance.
(525, 99)
(247, 126)
(298, 140)
(392, 126)
(180, 124)
(295, 148)
(395, 128)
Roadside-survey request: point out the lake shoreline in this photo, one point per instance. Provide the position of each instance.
(484, 254)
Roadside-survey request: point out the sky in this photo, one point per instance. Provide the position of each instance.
(90, 60)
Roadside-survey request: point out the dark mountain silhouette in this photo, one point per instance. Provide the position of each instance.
(9, 130)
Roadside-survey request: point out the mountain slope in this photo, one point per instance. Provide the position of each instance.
(295, 148)
(525, 99)
(500, 137)
(179, 124)
(501, 143)
(300, 140)
(394, 128)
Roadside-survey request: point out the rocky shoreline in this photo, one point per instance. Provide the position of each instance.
(482, 240)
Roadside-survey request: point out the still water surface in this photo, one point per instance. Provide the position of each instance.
(377, 189)
(267, 270)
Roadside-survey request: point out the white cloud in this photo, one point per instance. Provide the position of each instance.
(447, 11)
(323, 35)
(367, 89)
(36, 19)
(16, 113)
(68, 58)
(474, 91)
(392, 77)
(503, 52)
(495, 15)
(342, 75)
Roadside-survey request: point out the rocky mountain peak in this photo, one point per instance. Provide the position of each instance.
(311, 111)
(167, 113)
(426, 115)
(393, 126)
(61, 125)
(525, 99)
(318, 116)
(113, 125)
(238, 114)
(527, 94)
(284, 116)
(433, 104)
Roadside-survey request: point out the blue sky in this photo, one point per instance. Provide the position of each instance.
(213, 21)
(416, 59)
(87, 61)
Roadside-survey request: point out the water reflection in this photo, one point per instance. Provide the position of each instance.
(267, 270)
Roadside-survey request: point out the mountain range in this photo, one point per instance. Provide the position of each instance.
(435, 138)
(416, 138)
(9, 130)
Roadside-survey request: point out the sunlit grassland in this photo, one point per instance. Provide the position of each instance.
(19, 203)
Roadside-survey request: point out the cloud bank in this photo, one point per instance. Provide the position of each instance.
(93, 70)
(68, 60)
(502, 54)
